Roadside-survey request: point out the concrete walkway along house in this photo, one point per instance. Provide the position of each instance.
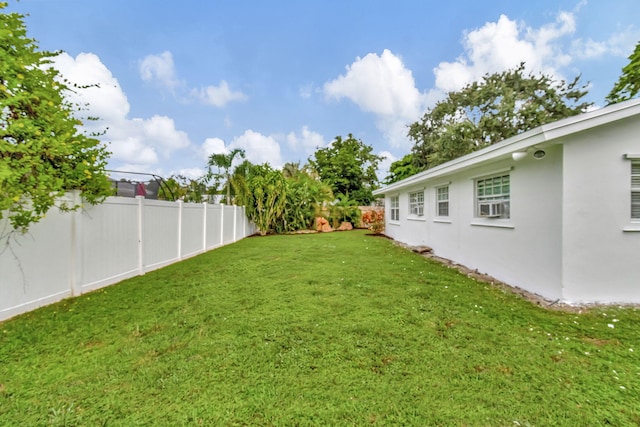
(554, 211)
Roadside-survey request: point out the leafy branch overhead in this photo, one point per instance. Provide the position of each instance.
(628, 85)
(401, 169)
(482, 113)
(42, 152)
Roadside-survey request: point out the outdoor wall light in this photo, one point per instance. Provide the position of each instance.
(535, 152)
(539, 154)
(519, 155)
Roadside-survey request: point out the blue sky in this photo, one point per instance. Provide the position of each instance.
(182, 80)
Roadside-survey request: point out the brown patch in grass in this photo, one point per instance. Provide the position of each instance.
(505, 370)
(600, 342)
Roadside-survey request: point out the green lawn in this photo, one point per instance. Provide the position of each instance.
(326, 329)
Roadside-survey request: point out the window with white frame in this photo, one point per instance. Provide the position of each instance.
(492, 197)
(416, 203)
(395, 208)
(442, 201)
(635, 190)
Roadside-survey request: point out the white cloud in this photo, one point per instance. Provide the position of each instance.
(145, 140)
(190, 173)
(383, 86)
(618, 44)
(307, 142)
(133, 149)
(385, 164)
(379, 84)
(221, 95)
(549, 49)
(213, 146)
(589, 48)
(105, 96)
(501, 45)
(135, 142)
(163, 130)
(306, 91)
(159, 68)
(258, 148)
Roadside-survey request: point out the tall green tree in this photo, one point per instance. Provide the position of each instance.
(224, 162)
(278, 203)
(43, 153)
(348, 166)
(628, 85)
(482, 113)
(401, 169)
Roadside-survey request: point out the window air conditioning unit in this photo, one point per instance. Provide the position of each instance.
(491, 209)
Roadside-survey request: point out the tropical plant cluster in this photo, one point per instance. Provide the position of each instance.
(335, 181)
(288, 200)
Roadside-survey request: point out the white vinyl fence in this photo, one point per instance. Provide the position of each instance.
(68, 254)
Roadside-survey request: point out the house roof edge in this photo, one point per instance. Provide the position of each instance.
(542, 134)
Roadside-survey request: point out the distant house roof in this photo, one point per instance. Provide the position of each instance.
(539, 137)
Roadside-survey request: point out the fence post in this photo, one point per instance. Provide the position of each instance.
(204, 226)
(140, 200)
(180, 204)
(235, 221)
(244, 222)
(76, 239)
(221, 224)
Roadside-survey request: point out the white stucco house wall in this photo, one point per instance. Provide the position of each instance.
(555, 210)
